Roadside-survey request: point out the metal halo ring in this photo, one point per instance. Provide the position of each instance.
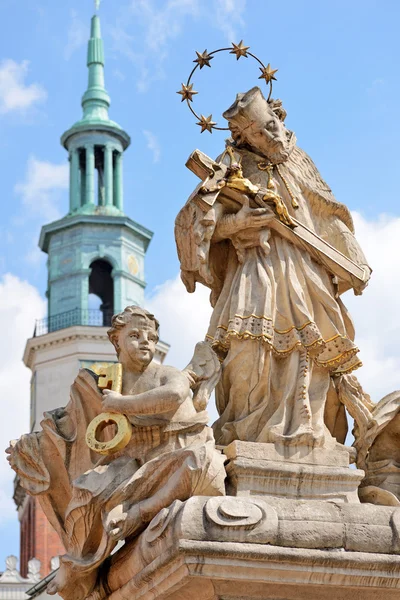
(118, 442)
(263, 69)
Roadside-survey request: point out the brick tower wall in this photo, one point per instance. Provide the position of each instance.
(38, 538)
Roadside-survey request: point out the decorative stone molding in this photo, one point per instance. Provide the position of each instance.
(258, 547)
(84, 333)
(319, 473)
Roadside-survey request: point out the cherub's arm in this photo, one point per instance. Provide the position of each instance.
(172, 391)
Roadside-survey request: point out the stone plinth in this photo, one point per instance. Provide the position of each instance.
(227, 548)
(291, 472)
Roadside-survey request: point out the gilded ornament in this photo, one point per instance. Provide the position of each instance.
(133, 264)
(110, 378)
(203, 60)
(239, 50)
(206, 123)
(295, 204)
(266, 166)
(267, 73)
(187, 92)
(118, 442)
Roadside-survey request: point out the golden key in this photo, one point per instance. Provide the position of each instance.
(110, 378)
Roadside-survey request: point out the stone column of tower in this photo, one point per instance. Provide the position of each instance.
(95, 251)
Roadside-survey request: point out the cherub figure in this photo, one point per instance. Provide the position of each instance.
(94, 502)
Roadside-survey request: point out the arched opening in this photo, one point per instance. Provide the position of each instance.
(101, 284)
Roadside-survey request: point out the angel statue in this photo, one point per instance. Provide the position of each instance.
(265, 233)
(94, 501)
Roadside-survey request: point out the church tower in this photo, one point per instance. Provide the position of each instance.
(96, 248)
(95, 268)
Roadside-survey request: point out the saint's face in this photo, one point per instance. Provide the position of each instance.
(137, 342)
(269, 136)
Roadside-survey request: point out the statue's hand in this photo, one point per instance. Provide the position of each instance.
(111, 401)
(252, 218)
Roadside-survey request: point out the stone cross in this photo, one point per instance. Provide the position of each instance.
(211, 173)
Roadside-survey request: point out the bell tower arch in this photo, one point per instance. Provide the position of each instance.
(101, 284)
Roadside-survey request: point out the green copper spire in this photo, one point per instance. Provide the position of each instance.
(96, 144)
(95, 101)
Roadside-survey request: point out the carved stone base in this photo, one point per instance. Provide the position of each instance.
(227, 548)
(291, 472)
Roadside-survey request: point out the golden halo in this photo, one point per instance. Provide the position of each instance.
(203, 60)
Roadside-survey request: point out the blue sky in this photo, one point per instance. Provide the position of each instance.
(339, 81)
(338, 78)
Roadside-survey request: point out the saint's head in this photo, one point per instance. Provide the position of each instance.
(259, 125)
(134, 334)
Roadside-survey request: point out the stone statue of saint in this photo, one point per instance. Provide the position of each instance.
(278, 323)
(92, 501)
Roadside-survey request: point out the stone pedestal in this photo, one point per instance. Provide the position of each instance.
(227, 548)
(291, 472)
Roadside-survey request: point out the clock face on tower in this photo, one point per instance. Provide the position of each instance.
(133, 264)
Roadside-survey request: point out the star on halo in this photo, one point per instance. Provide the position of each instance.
(206, 123)
(187, 92)
(267, 73)
(239, 49)
(203, 59)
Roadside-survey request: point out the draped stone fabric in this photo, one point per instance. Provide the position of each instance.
(165, 460)
(278, 323)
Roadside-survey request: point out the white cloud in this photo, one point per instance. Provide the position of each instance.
(15, 94)
(153, 145)
(183, 317)
(376, 312)
(229, 17)
(159, 25)
(164, 24)
(78, 35)
(43, 186)
(20, 305)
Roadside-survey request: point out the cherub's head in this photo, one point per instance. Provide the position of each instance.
(134, 334)
(259, 124)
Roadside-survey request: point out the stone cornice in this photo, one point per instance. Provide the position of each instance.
(81, 219)
(70, 334)
(63, 336)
